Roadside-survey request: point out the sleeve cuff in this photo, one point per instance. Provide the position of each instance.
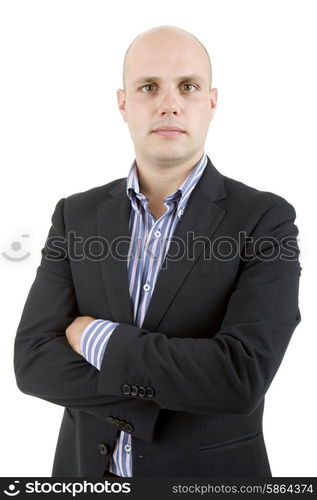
(94, 340)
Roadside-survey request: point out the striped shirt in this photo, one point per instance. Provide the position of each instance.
(149, 243)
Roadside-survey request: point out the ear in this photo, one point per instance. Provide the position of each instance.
(213, 97)
(121, 98)
(213, 101)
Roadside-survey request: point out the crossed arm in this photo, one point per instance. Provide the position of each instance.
(228, 373)
(75, 330)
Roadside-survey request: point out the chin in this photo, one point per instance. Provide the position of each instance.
(169, 154)
(170, 158)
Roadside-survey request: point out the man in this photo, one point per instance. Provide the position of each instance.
(165, 301)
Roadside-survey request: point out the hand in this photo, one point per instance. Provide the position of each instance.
(75, 330)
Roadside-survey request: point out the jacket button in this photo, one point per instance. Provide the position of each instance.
(142, 391)
(128, 428)
(126, 389)
(103, 449)
(150, 392)
(134, 390)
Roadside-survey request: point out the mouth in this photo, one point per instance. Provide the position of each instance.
(169, 131)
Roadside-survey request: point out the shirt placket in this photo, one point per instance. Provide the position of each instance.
(151, 259)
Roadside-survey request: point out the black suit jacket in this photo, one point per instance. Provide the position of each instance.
(190, 384)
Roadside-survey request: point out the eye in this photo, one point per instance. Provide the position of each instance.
(187, 89)
(149, 87)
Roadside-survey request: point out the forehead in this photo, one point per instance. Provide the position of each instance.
(167, 59)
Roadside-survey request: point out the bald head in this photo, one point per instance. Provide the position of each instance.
(155, 37)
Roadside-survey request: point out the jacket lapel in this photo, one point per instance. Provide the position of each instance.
(201, 217)
(113, 226)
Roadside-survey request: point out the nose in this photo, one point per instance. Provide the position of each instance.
(169, 104)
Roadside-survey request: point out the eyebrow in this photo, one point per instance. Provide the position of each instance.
(146, 79)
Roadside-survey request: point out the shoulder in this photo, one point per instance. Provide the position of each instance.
(247, 199)
(96, 194)
(87, 203)
(261, 212)
(243, 193)
(84, 205)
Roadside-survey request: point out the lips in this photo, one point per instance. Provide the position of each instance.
(168, 131)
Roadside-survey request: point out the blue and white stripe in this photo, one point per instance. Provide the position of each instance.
(94, 340)
(150, 240)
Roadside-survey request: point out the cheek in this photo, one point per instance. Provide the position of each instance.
(137, 115)
(138, 126)
(200, 116)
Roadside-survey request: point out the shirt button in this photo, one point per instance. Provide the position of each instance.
(127, 448)
(180, 212)
(146, 287)
(157, 234)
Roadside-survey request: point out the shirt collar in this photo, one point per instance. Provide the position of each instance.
(133, 188)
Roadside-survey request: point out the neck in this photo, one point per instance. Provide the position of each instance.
(156, 181)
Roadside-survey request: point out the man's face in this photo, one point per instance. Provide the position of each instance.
(167, 85)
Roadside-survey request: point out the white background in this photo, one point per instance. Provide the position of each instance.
(61, 133)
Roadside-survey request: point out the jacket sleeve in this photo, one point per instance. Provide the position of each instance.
(45, 365)
(230, 372)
